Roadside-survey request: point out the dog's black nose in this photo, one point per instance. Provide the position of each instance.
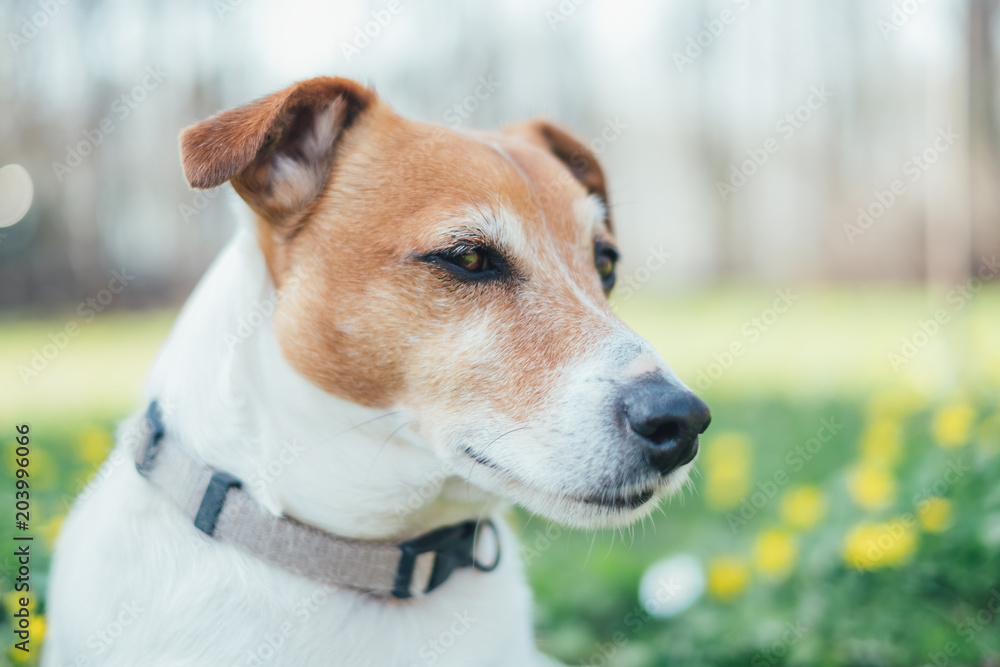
(667, 420)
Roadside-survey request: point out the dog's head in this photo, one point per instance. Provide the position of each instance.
(461, 276)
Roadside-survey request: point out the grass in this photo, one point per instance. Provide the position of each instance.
(840, 547)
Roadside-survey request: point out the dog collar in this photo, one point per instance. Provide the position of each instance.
(221, 509)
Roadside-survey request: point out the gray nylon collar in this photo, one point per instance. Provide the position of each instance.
(220, 508)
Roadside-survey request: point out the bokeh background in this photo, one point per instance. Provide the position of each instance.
(807, 195)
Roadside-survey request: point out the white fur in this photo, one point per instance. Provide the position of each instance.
(204, 603)
(297, 181)
(234, 403)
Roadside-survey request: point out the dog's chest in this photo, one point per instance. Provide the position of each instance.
(228, 608)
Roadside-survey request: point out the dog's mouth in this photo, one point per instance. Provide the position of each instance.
(611, 501)
(628, 501)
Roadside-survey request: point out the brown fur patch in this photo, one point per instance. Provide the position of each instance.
(570, 150)
(242, 144)
(371, 322)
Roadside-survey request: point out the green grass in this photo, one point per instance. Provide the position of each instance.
(825, 358)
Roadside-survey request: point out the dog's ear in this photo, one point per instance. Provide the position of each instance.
(570, 150)
(278, 150)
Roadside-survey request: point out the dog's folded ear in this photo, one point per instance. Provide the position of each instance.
(570, 150)
(278, 150)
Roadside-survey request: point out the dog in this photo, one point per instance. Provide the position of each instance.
(410, 332)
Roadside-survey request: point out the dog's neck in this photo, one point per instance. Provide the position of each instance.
(232, 401)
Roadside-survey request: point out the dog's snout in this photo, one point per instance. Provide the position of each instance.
(667, 420)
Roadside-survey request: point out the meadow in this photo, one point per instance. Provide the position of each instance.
(845, 508)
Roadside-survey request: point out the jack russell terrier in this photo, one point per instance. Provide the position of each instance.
(413, 332)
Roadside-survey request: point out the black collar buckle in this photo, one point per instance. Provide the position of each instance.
(454, 547)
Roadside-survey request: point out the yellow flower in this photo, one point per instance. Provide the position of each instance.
(872, 487)
(952, 424)
(803, 507)
(775, 553)
(873, 545)
(93, 444)
(727, 465)
(882, 442)
(37, 629)
(728, 576)
(935, 514)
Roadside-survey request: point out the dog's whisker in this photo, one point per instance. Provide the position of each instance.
(468, 482)
(365, 423)
(386, 442)
(586, 560)
(503, 435)
(611, 546)
(468, 479)
(616, 204)
(527, 523)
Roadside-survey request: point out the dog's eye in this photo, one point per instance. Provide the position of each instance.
(605, 259)
(473, 261)
(469, 261)
(605, 267)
